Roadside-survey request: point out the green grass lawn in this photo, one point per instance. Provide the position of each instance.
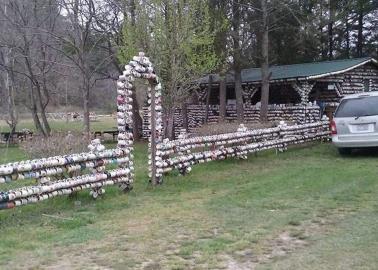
(307, 208)
(101, 124)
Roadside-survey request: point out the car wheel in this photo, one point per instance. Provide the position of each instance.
(345, 151)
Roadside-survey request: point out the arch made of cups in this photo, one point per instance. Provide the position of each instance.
(65, 174)
(140, 67)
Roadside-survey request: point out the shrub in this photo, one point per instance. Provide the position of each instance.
(56, 145)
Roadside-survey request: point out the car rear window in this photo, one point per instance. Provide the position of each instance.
(362, 106)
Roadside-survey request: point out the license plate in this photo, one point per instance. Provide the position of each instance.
(361, 128)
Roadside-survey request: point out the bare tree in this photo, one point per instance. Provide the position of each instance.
(7, 81)
(82, 46)
(27, 23)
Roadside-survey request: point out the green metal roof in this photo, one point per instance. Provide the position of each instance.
(298, 71)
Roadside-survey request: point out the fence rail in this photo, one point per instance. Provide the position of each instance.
(62, 175)
(183, 153)
(33, 194)
(58, 165)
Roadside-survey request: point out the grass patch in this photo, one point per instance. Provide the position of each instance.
(103, 123)
(227, 209)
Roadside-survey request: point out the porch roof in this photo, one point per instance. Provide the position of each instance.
(306, 71)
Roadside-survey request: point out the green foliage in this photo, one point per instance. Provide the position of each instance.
(199, 49)
(177, 36)
(135, 34)
(129, 48)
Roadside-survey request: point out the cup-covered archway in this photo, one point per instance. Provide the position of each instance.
(140, 67)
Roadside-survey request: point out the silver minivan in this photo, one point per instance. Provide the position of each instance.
(355, 124)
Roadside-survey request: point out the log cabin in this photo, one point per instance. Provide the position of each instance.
(296, 91)
(326, 81)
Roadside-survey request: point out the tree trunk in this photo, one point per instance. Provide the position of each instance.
(42, 107)
(86, 118)
(45, 122)
(360, 38)
(347, 37)
(45, 92)
(184, 111)
(171, 126)
(37, 122)
(137, 119)
(209, 87)
(169, 131)
(323, 40)
(239, 96)
(330, 41)
(222, 98)
(9, 87)
(35, 103)
(34, 112)
(330, 29)
(12, 121)
(237, 61)
(265, 64)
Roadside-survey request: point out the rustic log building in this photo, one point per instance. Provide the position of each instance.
(301, 83)
(292, 89)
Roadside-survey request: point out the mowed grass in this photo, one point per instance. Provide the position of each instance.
(307, 208)
(101, 124)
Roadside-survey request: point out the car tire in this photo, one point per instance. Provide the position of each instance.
(345, 151)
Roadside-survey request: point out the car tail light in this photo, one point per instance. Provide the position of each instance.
(333, 128)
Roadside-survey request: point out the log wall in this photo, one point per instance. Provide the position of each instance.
(352, 81)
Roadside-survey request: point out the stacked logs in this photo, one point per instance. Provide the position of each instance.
(180, 155)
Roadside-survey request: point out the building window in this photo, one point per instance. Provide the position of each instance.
(366, 85)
